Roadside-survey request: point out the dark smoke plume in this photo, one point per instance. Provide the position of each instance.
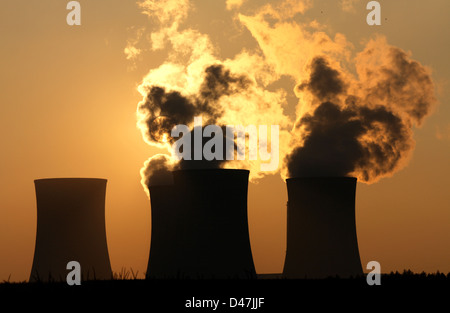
(157, 171)
(342, 141)
(204, 163)
(324, 82)
(164, 109)
(403, 85)
(367, 134)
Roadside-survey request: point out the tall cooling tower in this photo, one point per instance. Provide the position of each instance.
(166, 236)
(70, 227)
(200, 226)
(321, 228)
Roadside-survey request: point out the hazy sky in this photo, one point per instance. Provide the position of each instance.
(68, 109)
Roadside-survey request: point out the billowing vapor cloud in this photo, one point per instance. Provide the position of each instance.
(289, 46)
(389, 76)
(193, 81)
(324, 82)
(361, 127)
(157, 171)
(193, 163)
(163, 109)
(347, 123)
(221, 98)
(355, 114)
(353, 140)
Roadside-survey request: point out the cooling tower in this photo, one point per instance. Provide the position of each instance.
(165, 233)
(70, 227)
(321, 228)
(200, 226)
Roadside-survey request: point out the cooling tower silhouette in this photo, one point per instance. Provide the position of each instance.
(200, 226)
(321, 228)
(165, 245)
(70, 227)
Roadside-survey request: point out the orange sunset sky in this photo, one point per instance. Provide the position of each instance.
(69, 94)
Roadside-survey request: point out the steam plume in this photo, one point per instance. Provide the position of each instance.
(355, 115)
(157, 171)
(162, 109)
(193, 81)
(361, 127)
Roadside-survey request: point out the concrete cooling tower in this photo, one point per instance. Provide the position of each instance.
(70, 227)
(165, 245)
(321, 228)
(200, 226)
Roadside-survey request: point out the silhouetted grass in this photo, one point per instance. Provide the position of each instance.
(127, 282)
(129, 276)
(399, 289)
(125, 274)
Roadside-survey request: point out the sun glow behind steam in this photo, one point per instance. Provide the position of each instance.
(373, 110)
